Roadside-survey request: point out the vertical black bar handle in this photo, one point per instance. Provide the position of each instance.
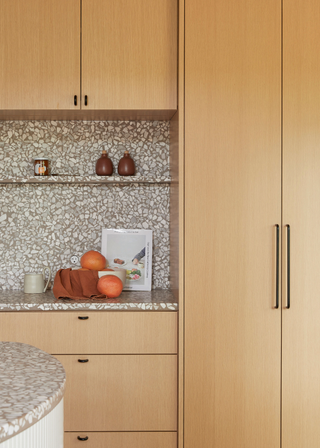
(75, 100)
(277, 265)
(86, 100)
(288, 266)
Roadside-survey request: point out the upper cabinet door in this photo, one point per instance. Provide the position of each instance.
(129, 54)
(40, 54)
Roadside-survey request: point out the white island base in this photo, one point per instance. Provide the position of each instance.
(46, 433)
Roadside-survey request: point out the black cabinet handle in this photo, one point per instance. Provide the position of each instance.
(83, 438)
(83, 360)
(288, 266)
(75, 100)
(83, 317)
(86, 100)
(277, 266)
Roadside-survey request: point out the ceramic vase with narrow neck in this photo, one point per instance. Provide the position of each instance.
(104, 166)
(126, 165)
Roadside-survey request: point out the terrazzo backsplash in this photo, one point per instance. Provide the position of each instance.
(44, 225)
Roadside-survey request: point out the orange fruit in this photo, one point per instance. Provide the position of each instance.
(93, 260)
(110, 285)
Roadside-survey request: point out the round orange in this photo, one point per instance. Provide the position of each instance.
(110, 285)
(93, 260)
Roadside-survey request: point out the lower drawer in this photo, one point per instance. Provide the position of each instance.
(120, 440)
(120, 392)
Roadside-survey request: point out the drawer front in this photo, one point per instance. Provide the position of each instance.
(93, 332)
(120, 392)
(120, 440)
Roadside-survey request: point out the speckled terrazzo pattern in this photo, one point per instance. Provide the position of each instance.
(74, 146)
(44, 224)
(155, 300)
(32, 383)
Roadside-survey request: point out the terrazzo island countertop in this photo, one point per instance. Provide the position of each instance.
(155, 300)
(32, 383)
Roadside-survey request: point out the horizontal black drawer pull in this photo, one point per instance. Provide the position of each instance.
(83, 438)
(83, 317)
(83, 360)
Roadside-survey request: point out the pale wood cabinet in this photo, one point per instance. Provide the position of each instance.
(252, 161)
(301, 189)
(92, 332)
(129, 54)
(232, 204)
(121, 372)
(39, 54)
(120, 393)
(122, 440)
(127, 51)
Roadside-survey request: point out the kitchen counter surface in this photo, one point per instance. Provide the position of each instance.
(155, 300)
(32, 383)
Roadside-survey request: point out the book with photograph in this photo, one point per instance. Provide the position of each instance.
(130, 249)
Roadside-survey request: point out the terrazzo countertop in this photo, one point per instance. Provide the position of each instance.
(155, 300)
(32, 383)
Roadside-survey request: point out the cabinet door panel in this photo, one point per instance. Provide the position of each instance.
(232, 203)
(301, 210)
(92, 332)
(129, 54)
(120, 392)
(40, 54)
(121, 440)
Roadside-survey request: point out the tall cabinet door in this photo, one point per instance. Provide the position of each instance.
(39, 54)
(232, 205)
(301, 187)
(129, 54)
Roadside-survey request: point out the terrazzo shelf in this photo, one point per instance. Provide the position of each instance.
(91, 179)
(155, 300)
(32, 386)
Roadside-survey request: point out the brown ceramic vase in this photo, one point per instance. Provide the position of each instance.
(104, 165)
(126, 165)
